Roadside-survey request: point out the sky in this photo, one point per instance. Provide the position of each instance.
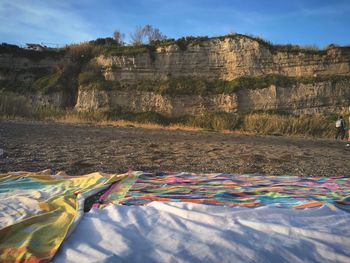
(60, 22)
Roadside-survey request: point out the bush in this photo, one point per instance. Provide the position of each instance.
(32, 54)
(48, 83)
(183, 42)
(12, 105)
(141, 117)
(201, 86)
(216, 121)
(80, 53)
(14, 86)
(173, 86)
(152, 53)
(91, 78)
(259, 122)
(287, 124)
(104, 41)
(88, 77)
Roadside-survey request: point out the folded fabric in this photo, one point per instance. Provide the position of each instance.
(187, 232)
(38, 210)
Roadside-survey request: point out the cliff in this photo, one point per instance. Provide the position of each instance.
(230, 74)
(324, 97)
(226, 59)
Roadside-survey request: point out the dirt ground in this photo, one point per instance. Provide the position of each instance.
(79, 149)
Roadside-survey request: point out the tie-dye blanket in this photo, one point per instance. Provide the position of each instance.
(230, 190)
(38, 210)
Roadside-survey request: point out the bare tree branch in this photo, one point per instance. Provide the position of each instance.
(137, 37)
(148, 33)
(118, 37)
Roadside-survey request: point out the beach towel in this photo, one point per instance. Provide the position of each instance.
(38, 211)
(188, 232)
(232, 190)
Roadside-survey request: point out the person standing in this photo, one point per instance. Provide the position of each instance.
(349, 129)
(340, 128)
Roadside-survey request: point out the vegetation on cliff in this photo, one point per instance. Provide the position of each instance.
(116, 47)
(16, 51)
(202, 86)
(72, 61)
(48, 83)
(75, 66)
(109, 47)
(267, 123)
(91, 77)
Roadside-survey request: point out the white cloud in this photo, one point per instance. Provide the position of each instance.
(42, 21)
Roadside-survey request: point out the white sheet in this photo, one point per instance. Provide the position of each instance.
(185, 232)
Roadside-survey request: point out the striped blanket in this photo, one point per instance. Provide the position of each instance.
(230, 190)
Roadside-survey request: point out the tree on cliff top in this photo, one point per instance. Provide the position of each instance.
(153, 34)
(137, 37)
(119, 37)
(146, 33)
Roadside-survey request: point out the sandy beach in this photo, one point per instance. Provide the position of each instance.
(79, 149)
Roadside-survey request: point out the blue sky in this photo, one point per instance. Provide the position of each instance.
(303, 22)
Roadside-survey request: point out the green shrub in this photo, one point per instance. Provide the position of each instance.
(200, 86)
(88, 77)
(141, 117)
(182, 86)
(99, 85)
(163, 42)
(323, 78)
(183, 42)
(173, 86)
(92, 78)
(79, 53)
(152, 53)
(104, 41)
(48, 83)
(117, 50)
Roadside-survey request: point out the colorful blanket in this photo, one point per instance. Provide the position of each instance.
(230, 190)
(38, 210)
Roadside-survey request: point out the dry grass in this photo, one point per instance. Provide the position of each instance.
(124, 123)
(12, 105)
(100, 118)
(307, 125)
(321, 126)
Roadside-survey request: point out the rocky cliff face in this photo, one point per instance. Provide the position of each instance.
(22, 69)
(321, 98)
(18, 74)
(212, 59)
(303, 98)
(171, 106)
(225, 59)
